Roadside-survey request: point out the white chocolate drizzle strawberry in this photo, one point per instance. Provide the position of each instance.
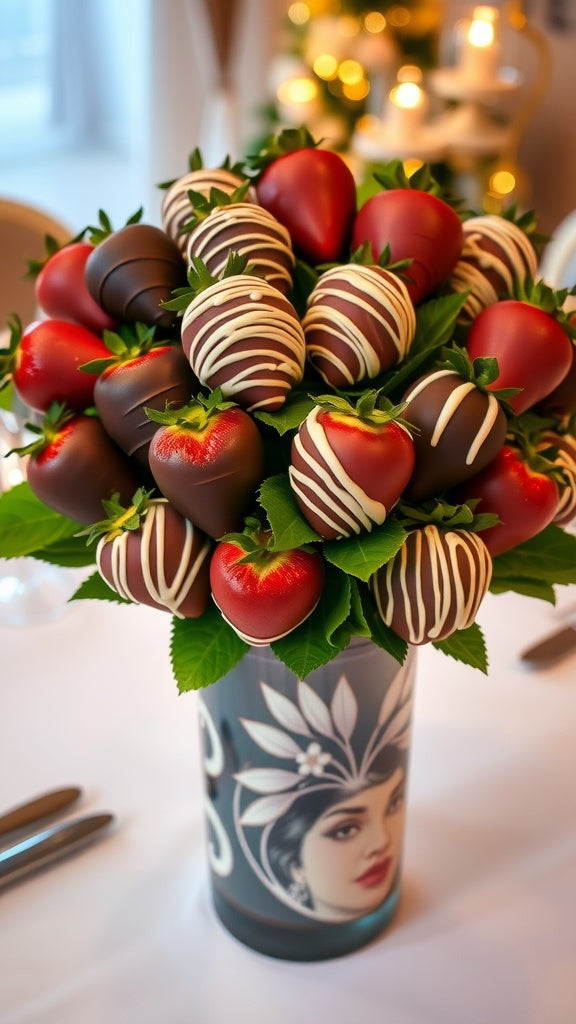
(242, 335)
(360, 321)
(320, 481)
(177, 208)
(450, 408)
(434, 584)
(251, 231)
(496, 252)
(162, 564)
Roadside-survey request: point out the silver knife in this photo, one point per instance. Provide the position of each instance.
(553, 647)
(36, 810)
(47, 847)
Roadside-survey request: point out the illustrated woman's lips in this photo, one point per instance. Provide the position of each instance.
(375, 875)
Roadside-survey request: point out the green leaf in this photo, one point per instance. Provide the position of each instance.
(467, 646)
(70, 552)
(291, 415)
(381, 634)
(27, 526)
(287, 523)
(318, 639)
(524, 585)
(203, 650)
(95, 588)
(550, 557)
(435, 325)
(363, 555)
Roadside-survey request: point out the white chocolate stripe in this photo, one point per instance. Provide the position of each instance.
(450, 408)
(516, 258)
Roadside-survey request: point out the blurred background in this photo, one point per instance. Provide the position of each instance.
(101, 101)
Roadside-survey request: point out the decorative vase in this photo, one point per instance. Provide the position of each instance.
(305, 798)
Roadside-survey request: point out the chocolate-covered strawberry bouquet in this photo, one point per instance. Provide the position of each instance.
(287, 418)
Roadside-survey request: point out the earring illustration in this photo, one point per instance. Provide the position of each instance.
(299, 892)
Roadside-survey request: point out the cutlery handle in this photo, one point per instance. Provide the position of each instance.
(36, 810)
(45, 848)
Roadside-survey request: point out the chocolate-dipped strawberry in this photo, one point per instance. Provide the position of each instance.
(249, 230)
(177, 210)
(241, 335)
(140, 372)
(497, 253)
(349, 465)
(561, 448)
(207, 459)
(434, 584)
(73, 466)
(132, 271)
(359, 322)
(149, 554)
(459, 427)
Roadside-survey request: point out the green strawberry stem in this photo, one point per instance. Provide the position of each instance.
(444, 515)
(371, 407)
(128, 342)
(203, 205)
(200, 278)
(196, 415)
(54, 420)
(119, 518)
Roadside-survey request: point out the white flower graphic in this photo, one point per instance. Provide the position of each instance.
(312, 760)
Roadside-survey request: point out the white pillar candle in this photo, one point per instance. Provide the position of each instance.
(480, 52)
(406, 110)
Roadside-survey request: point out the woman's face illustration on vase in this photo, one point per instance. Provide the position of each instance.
(349, 857)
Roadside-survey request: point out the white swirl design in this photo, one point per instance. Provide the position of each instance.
(514, 258)
(371, 292)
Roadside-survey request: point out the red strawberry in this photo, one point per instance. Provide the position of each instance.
(434, 584)
(311, 191)
(61, 290)
(44, 363)
(207, 458)
(74, 466)
(151, 555)
(349, 465)
(268, 596)
(137, 373)
(415, 225)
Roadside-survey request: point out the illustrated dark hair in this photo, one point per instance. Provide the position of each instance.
(287, 834)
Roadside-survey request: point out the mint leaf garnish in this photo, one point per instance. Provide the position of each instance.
(467, 646)
(95, 588)
(287, 523)
(203, 650)
(363, 555)
(27, 526)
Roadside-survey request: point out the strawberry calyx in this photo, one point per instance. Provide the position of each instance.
(203, 205)
(200, 278)
(525, 434)
(549, 300)
(129, 342)
(55, 418)
(288, 140)
(371, 407)
(444, 515)
(97, 233)
(119, 518)
(196, 415)
(257, 543)
(392, 175)
(481, 372)
(51, 247)
(196, 163)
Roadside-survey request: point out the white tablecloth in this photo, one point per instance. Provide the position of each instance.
(124, 933)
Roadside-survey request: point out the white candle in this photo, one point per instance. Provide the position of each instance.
(406, 110)
(480, 53)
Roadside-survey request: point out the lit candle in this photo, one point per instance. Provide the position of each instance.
(406, 110)
(480, 53)
(298, 100)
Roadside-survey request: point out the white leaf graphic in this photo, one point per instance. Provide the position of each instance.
(272, 740)
(393, 696)
(284, 711)
(314, 710)
(398, 724)
(344, 708)
(267, 780)
(267, 809)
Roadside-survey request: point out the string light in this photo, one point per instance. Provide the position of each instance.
(299, 13)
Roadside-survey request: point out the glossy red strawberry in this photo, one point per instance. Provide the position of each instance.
(207, 459)
(61, 290)
(533, 350)
(349, 466)
(44, 363)
(415, 225)
(137, 373)
(520, 491)
(73, 466)
(311, 191)
(267, 597)
(149, 554)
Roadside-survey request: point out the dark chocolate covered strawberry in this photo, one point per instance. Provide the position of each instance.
(73, 466)
(460, 427)
(149, 554)
(264, 594)
(434, 584)
(132, 271)
(139, 372)
(207, 459)
(349, 465)
(359, 322)
(241, 335)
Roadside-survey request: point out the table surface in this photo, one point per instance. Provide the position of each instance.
(124, 933)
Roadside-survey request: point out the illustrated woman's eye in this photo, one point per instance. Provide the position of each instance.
(344, 831)
(396, 801)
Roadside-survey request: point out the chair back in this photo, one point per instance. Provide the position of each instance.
(23, 229)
